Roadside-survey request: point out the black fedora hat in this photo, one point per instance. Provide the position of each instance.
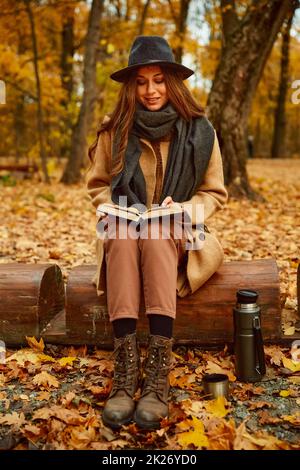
(150, 50)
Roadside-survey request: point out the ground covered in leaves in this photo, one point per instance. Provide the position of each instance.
(51, 397)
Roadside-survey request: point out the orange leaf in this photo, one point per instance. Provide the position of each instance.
(46, 380)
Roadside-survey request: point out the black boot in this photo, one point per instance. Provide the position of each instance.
(153, 404)
(119, 407)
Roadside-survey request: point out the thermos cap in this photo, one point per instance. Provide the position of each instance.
(247, 296)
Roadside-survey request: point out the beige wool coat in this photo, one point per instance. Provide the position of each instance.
(202, 263)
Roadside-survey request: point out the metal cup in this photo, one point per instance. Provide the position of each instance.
(216, 385)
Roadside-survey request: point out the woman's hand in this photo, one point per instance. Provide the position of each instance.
(103, 217)
(167, 201)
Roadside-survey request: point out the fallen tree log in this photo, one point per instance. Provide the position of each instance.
(22, 167)
(202, 318)
(30, 296)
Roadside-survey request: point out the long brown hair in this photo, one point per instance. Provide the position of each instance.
(121, 118)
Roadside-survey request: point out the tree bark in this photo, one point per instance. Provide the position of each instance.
(40, 120)
(79, 146)
(67, 54)
(68, 48)
(243, 58)
(279, 131)
(19, 114)
(143, 17)
(180, 23)
(230, 20)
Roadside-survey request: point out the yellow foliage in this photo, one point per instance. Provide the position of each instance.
(195, 437)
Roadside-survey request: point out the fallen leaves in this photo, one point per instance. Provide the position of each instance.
(195, 436)
(13, 419)
(46, 380)
(34, 344)
(218, 407)
(60, 392)
(291, 365)
(213, 368)
(258, 441)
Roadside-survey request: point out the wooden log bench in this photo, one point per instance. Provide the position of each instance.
(21, 167)
(30, 296)
(33, 302)
(19, 171)
(202, 318)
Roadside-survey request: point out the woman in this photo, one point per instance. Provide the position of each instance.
(157, 147)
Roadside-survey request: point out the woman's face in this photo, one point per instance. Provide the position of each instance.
(151, 89)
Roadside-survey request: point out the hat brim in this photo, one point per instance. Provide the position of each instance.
(122, 74)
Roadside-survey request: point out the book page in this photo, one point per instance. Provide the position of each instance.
(162, 211)
(130, 213)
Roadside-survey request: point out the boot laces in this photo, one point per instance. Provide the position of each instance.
(157, 369)
(124, 365)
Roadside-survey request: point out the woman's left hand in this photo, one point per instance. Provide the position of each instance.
(167, 201)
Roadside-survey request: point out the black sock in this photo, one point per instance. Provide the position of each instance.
(124, 326)
(161, 325)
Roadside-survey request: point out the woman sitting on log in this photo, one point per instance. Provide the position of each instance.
(157, 147)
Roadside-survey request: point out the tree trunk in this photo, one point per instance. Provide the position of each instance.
(40, 120)
(67, 51)
(143, 17)
(19, 114)
(68, 48)
(78, 146)
(180, 23)
(278, 144)
(243, 58)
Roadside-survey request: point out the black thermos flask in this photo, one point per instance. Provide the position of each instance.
(248, 342)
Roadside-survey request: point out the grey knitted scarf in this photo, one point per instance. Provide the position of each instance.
(189, 154)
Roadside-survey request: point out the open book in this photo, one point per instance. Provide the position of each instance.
(132, 213)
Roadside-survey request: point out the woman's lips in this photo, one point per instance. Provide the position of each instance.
(151, 100)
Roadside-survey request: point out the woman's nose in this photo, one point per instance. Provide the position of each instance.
(150, 87)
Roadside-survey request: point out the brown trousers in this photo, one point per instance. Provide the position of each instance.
(146, 261)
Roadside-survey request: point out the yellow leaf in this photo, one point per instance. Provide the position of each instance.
(289, 331)
(217, 407)
(177, 356)
(24, 355)
(195, 437)
(66, 361)
(293, 419)
(46, 358)
(285, 393)
(291, 365)
(46, 380)
(34, 344)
